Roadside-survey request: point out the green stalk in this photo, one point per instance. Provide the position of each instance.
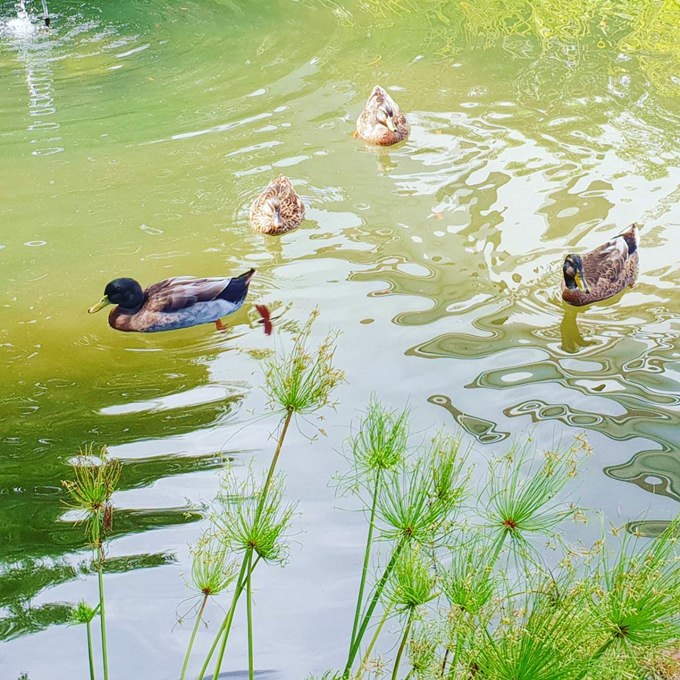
(241, 582)
(371, 607)
(223, 632)
(193, 635)
(402, 646)
(90, 656)
(226, 623)
(102, 611)
(249, 616)
(371, 644)
(367, 553)
(272, 466)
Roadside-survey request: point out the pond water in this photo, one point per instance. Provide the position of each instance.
(133, 138)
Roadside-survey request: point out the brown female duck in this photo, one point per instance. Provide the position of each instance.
(173, 303)
(277, 209)
(603, 272)
(381, 122)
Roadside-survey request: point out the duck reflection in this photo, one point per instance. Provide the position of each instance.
(572, 339)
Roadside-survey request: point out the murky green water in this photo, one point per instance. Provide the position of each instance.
(134, 136)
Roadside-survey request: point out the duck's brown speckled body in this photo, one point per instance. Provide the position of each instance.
(603, 272)
(381, 122)
(277, 209)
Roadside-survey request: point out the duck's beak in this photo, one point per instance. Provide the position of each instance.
(389, 122)
(581, 282)
(100, 305)
(277, 218)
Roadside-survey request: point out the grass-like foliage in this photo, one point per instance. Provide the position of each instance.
(299, 379)
(95, 479)
(245, 523)
(518, 505)
(213, 570)
(638, 602)
(466, 592)
(380, 440)
(251, 519)
(468, 612)
(82, 613)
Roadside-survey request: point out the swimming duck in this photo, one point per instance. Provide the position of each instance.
(174, 303)
(277, 209)
(381, 122)
(603, 272)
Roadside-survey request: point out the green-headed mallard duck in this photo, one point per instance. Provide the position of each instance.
(381, 122)
(179, 302)
(603, 272)
(277, 209)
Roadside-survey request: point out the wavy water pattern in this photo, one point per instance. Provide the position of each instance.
(134, 137)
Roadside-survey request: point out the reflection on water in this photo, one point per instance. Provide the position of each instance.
(439, 260)
(484, 431)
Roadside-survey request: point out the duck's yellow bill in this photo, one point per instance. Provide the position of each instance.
(100, 305)
(390, 124)
(581, 282)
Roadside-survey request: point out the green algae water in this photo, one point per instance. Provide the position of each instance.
(134, 136)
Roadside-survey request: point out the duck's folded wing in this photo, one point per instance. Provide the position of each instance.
(181, 292)
(606, 263)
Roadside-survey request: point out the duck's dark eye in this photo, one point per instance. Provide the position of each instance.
(389, 111)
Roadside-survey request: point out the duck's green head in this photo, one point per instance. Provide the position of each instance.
(573, 273)
(126, 293)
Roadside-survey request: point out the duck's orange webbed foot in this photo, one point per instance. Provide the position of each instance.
(220, 326)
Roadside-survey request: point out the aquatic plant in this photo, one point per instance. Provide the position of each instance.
(251, 519)
(96, 477)
(414, 506)
(82, 613)
(378, 446)
(212, 571)
(465, 612)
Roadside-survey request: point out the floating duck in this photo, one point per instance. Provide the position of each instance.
(174, 303)
(277, 209)
(603, 272)
(381, 122)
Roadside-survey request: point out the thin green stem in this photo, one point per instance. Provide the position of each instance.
(249, 616)
(272, 466)
(226, 623)
(371, 644)
(199, 616)
(371, 607)
(102, 610)
(90, 656)
(223, 632)
(367, 553)
(402, 646)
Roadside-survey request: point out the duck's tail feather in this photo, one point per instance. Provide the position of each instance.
(632, 237)
(237, 288)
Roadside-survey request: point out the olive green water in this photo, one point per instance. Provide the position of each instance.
(133, 137)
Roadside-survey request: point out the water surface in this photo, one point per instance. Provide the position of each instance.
(135, 135)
